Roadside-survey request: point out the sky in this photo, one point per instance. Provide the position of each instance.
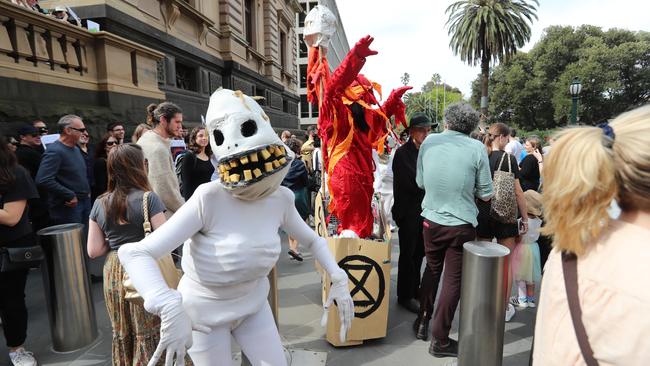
(410, 35)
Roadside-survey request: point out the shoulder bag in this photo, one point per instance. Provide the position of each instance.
(503, 206)
(570, 271)
(170, 273)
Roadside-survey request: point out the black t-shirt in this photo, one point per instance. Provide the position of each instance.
(194, 172)
(495, 160)
(529, 174)
(23, 189)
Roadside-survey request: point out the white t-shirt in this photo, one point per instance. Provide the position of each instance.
(515, 148)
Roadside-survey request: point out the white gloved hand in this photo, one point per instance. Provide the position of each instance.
(175, 331)
(340, 292)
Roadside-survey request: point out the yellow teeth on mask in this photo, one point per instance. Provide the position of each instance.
(257, 173)
(244, 160)
(277, 151)
(253, 158)
(234, 178)
(233, 163)
(265, 154)
(248, 175)
(226, 177)
(268, 167)
(222, 168)
(282, 160)
(276, 164)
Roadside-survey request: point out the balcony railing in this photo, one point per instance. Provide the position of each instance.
(36, 47)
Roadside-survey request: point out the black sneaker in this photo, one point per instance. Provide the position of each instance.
(421, 328)
(436, 349)
(295, 255)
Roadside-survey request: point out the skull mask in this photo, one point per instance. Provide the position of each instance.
(320, 26)
(251, 159)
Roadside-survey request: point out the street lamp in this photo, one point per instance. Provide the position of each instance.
(575, 88)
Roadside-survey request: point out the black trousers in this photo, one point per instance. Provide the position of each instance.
(12, 306)
(411, 253)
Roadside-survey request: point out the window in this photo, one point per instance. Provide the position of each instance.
(249, 17)
(283, 50)
(186, 77)
(313, 4)
(303, 52)
(302, 15)
(304, 107)
(303, 76)
(314, 111)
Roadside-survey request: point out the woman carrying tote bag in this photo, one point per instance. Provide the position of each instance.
(117, 217)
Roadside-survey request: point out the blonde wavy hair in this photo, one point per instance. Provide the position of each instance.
(586, 170)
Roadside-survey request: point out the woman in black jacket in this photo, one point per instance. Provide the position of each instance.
(297, 180)
(196, 167)
(100, 171)
(530, 167)
(16, 187)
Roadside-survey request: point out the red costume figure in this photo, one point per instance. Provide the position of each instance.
(349, 128)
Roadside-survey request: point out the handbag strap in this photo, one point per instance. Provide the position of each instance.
(501, 162)
(146, 225)
(570, 270)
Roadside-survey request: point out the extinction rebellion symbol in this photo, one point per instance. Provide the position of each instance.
(359, 269)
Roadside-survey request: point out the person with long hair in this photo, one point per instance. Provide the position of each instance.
(531, 165)
(115, 219)
(100, 170)
(196, 167)
(16, 187)
(587, 168)
(139, 131)
(496, 139)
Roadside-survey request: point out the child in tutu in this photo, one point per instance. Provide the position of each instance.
(526, 264)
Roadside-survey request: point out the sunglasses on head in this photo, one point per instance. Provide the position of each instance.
(111, 143)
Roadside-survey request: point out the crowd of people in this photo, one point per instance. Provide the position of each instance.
(447, 189)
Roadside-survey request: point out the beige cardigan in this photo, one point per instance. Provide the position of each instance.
(162, 175)
(613, 291)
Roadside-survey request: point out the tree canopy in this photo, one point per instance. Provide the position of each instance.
(531, 89)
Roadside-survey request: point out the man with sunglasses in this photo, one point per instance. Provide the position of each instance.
(63, 174)
(29, 155)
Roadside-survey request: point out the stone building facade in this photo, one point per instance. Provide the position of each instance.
(194, 47)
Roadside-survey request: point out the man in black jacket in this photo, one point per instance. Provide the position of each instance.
(29, 155)
(406, 213)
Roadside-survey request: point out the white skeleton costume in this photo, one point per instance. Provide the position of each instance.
(230, 229)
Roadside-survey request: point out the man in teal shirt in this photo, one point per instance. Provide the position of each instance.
(453, 170)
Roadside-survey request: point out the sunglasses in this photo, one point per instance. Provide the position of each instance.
(42, 129)
(82, 130)
(111, 143)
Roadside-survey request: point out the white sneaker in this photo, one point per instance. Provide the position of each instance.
(21, 357)
(519, 302)
(530, 302)
(510, 312)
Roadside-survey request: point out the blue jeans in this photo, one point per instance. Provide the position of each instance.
(70, 215)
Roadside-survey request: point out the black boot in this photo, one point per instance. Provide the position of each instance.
(421, 328)
(437, 349)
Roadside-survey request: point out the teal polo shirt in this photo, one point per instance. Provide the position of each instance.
(453, 169)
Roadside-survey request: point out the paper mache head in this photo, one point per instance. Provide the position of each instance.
(251, 159)
(320, 26)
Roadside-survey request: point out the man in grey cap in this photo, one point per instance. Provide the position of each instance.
(406, 213)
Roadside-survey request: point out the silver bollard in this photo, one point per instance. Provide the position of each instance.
(69, 302)
(482, 306)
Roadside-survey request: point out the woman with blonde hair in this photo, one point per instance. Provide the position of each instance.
(593, 306)
(489, 227)
(139, 131)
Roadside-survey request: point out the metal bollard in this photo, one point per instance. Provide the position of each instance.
(482, 306)
(70, 307)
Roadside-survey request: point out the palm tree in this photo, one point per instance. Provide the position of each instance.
(489, 30)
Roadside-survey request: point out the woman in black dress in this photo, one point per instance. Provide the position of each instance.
(16, 187)
(530, 167)
(100, 171)
(489, 228)
(196, 167)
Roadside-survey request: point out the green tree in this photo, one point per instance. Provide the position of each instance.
(532, 90)
(489, 30)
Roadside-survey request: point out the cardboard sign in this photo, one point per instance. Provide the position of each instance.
(368, 267)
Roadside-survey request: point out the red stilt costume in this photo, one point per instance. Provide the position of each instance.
(350, 127)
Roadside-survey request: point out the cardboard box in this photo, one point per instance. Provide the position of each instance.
(367, 263)
(368, 267)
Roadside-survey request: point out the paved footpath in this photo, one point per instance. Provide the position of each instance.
(300, 311)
